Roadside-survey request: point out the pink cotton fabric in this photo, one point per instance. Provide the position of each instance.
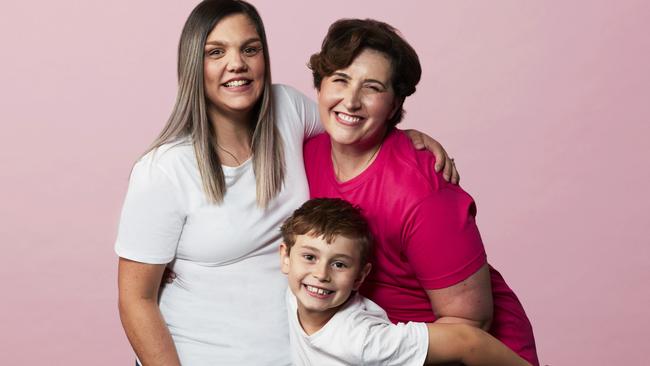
(425, 235)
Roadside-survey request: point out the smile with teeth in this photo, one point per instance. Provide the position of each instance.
(318, 291)
(348, 118)
(235, 83)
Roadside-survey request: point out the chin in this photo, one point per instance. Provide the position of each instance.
(342, 137)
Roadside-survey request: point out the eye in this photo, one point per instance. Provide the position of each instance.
(309, 257)
(339, 80)
(339, 265)
(251, 51)
(374, 88)
(216, 52)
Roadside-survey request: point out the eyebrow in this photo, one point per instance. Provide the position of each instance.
(350, 258)
(344, 256)
(347, 77)
(304, 246)
(220, 43)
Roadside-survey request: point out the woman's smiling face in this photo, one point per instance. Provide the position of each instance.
(233, 67)
(356, 102)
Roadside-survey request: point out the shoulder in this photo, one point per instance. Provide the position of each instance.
(285, 95)
(386, 343)
(287, 91)
(362, 313)
(403, 151)
(169, 159)
(322, 139)
(288, 108)
(417, 167)
(315, 152)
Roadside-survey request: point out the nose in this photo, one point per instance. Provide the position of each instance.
(236, 63)
(321, 272)
(352, 99)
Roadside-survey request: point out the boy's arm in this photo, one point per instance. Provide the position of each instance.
(469, 345)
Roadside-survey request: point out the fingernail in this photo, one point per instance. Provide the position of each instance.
(437, 168)
(446, 176)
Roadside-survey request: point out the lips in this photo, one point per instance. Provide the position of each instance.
(318, 291)
(348, 119)
(236, 83)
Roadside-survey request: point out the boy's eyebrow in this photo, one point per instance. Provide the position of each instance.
(306, 246)
(340, 255)
(350, 258)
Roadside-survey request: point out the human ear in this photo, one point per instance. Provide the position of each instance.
(284, 258)
(362, 276)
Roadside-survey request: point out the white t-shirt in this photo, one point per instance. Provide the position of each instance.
(358, 334)
(226, 305)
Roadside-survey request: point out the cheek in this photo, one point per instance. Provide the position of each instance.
(328, 98)
(380, 108)
(211, 73)
(258, 66)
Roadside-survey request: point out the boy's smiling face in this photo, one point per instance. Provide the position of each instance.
(323, 275)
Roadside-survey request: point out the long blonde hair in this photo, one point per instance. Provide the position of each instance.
(189, 116)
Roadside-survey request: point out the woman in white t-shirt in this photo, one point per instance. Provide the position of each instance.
(208, 198)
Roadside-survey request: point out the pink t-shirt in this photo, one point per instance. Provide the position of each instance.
(425, 234)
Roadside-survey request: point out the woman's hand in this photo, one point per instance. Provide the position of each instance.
(443, 161)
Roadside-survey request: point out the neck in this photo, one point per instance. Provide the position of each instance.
(351, 160)
(313, 321)
(233, 135)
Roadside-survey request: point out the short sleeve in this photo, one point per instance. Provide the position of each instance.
(307, 111)
(442, 243)
(396, 344)
(152, 217)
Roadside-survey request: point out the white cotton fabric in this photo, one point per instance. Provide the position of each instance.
(226, 305)
(358, 334)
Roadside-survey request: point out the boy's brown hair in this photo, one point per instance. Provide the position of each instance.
(347, 38)
(330, 218)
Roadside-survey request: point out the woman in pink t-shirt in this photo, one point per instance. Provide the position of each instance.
(429, 262)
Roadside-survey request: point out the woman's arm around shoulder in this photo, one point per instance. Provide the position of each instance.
(444, 162)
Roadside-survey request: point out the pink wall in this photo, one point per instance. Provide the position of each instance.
(545, 106)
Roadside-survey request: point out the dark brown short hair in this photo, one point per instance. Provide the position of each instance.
(330, 218)
(346, 38)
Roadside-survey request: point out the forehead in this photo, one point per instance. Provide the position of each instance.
(233, 29)
(341, 245)
(370, 64)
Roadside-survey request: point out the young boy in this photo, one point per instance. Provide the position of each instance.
(325, 256)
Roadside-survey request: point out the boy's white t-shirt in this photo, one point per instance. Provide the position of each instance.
(226, 305)
(358, 334)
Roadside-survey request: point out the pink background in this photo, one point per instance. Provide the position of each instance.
(545, 107)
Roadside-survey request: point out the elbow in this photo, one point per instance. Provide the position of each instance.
(485, 323)
(128, 304)
(122, 304)
(469, 338)
(125, 306)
